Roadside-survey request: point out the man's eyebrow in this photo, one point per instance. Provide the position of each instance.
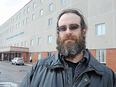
(62, 26)
(69, 25)
(74, 24)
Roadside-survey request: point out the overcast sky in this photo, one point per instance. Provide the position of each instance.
(9, 7)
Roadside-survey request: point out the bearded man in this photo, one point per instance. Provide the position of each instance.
(73, 65)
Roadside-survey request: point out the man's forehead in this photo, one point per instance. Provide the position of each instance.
(71, 18)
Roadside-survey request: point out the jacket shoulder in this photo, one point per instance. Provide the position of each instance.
(107, 70)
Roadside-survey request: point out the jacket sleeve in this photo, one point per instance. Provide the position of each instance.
(27, 80)
(114, 79)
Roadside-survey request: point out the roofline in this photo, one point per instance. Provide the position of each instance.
(14, 51)
(14, 47)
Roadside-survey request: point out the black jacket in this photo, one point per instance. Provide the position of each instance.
(50, 72)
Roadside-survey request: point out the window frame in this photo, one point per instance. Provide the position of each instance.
(27, 20)
(33, 16)
(49, 54)
(28, 9)
(19, 24)
(41, 12)
(41, 1)
(100, 29)
(31, 42)
(101, 55)
(34, 4)
(24, 12)
(50, 22)
(24, 22)
(21, 44)
(51, 7)
(25, 43)
(39, 55)
(39, 40)
(50, 39)
(63, 2)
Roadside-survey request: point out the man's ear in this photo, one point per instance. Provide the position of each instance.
(84, 32)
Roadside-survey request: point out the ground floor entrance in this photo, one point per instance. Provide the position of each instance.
(11, 52)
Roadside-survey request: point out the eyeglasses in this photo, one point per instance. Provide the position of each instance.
(71, 27)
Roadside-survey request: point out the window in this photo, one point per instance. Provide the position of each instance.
(49, 53)
(16, 25)
(33, 16)
(100, 29)
(49, 38)
(13, 19)
(39, 55)
(63, 2)
(41, 1)
(25, 43)
(19, 24)
(23, 22)
(50, 21)
(24, 12)
(28, 9)
(27, 20)
(101, 56)
(21, 44)
(51, 7)
(17, 44)
(39, 40)
(10, 29)
(34, 4)
(19, 15)
(41, 12)
(13, 28)
(31, 56)
(31, 42)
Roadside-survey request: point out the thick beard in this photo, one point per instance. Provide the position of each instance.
(71, 49)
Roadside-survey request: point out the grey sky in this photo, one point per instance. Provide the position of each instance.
(9, 7)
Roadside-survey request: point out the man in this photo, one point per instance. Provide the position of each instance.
(72, 65)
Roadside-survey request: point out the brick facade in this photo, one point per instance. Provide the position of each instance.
(93, 52)
(35, 57)
(111, 59)
(52, 53)
(44, 54)
(24, 57)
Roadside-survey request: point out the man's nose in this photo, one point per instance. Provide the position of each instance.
(68, 32)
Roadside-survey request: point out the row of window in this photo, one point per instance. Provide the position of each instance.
(24, 44)
(100, 56)
(39, 55)
(24, 12)
(100, 28)
(24, 22)
(27, 20)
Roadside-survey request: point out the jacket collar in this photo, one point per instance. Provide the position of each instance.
(93, 64)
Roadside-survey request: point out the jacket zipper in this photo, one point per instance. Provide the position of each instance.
(85, 72)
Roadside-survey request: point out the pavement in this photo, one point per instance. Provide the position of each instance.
(28, 64)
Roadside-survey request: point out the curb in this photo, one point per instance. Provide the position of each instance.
(28, 64)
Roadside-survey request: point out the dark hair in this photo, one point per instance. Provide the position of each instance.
(83, 24)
